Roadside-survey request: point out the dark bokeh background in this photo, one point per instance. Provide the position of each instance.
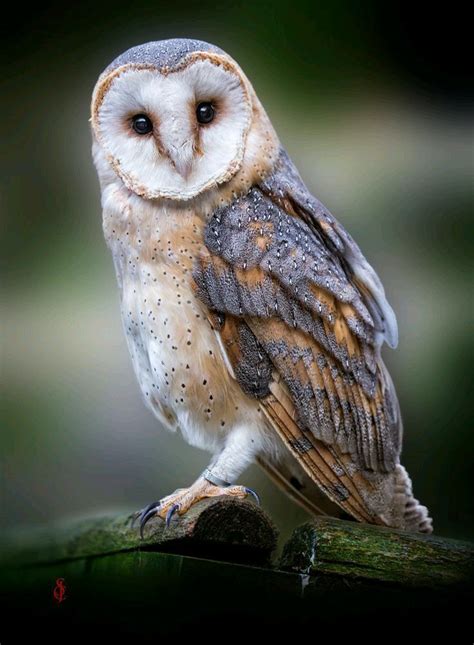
(372, 101)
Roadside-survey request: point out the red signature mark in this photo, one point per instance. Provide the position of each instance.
(59, 591)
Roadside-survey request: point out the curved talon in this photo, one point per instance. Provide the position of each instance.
(170, 513)
(249, 491)
(142, 512)
(147, 514)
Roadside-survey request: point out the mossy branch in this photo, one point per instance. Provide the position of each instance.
(352, 551)
(238, 531)
(222, 528)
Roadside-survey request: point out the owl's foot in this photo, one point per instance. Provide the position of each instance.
(182, 499)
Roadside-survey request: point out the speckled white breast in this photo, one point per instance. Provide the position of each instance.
(175, 352)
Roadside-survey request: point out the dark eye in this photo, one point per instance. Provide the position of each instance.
(142, 124)
(205, 112)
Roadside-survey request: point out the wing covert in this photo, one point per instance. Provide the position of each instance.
(285, 186)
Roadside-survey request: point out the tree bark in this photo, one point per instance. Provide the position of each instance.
(218, 528)
(358, 552)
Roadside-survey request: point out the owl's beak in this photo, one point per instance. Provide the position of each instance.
(181, 157)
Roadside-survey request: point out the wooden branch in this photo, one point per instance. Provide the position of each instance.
(324, 550)
(193, 579)
(218, 528)
(358, 552)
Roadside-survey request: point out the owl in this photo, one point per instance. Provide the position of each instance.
(253, 320)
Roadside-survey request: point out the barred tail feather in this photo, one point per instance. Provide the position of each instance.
(409, 513)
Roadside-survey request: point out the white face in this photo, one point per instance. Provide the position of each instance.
(173, 135)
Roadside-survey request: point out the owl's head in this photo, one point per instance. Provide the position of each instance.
(173, 118)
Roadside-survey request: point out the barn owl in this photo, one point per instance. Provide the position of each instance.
(253, 320)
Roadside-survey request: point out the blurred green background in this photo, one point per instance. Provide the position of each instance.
(373, 104)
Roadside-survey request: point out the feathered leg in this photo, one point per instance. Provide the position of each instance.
(238, 453)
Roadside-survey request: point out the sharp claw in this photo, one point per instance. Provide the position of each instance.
(140, 514)
(170, 513)
(249, 491)
(147, 514)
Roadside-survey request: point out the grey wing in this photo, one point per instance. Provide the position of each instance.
(302, 316)
(292, 280)
(285, 186)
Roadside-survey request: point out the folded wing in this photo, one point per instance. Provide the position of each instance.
(302, 315)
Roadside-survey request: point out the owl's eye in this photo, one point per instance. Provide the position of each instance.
(142, 124)
(205, 112)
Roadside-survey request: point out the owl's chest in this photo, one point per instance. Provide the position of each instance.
(175, 352)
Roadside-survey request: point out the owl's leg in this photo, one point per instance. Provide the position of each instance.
(238, 453)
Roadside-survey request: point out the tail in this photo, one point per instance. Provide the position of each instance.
(408, 513)
(393, 504)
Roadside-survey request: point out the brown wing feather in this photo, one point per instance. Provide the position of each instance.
(340, 479)
(302, 490)
(333, 375)
(302, 316)
(314, 458)
(322, 466)
(335, 473)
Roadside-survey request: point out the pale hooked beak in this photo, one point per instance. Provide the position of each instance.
(181, 157)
